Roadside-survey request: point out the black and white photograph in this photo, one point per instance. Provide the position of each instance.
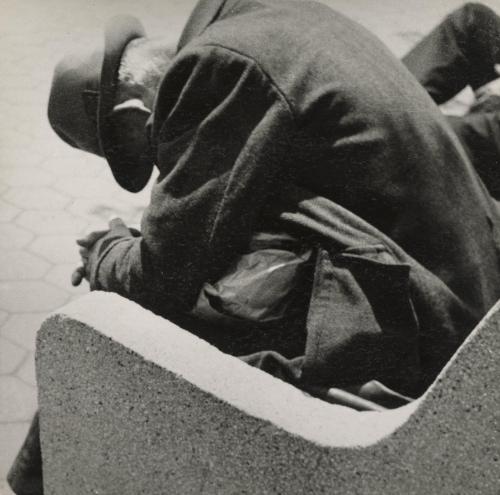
(249, 247)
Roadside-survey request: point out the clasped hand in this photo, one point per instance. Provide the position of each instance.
(89, 248)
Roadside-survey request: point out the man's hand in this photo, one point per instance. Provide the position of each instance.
(88, 245)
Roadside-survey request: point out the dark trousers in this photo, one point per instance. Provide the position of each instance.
(25, 475)
(462, 51)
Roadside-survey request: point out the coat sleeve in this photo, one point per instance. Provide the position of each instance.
(223, 135)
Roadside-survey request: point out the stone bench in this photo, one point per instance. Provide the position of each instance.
(132, 404)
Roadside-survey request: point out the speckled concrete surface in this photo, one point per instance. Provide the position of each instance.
(50, 194)
(152, 409)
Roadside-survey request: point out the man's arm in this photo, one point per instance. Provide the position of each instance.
(222, 132)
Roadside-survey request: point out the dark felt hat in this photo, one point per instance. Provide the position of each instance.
(81, 102)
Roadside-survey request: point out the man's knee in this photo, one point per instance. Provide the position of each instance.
(474, 15)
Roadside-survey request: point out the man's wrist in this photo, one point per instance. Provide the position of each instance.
(99, 252)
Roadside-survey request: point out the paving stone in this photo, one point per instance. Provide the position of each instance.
(4, 487)
(57, 248)
(21, 265)
(75, 297)
(22, 328)
(25, 176)
(82, 187)
(7, 211)
(41, 198)
(32, 295)
(20, 85)
(99, 213)
(140, 199)
(11, 356)
(26, 96)
(60, 275)
(27, 372)
(72, 163)
(13, 141)
(18, 400)
(12, 436)
(51, 222)
(13, 237)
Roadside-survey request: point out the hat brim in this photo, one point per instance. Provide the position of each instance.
(131, 172)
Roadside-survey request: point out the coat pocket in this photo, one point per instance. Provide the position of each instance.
(361, 324)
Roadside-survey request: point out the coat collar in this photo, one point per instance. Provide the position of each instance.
(204, 13)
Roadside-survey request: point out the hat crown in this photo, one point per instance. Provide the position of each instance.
(76, 77)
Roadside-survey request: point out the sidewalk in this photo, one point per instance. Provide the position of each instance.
(50, 194)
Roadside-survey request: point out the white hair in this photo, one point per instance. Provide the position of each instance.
(144, 63)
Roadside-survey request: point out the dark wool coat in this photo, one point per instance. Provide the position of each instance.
(285, 115)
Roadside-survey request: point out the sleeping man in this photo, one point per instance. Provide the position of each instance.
(314, 212)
